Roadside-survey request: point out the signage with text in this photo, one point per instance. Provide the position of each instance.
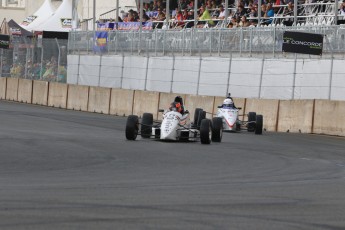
(304, 43)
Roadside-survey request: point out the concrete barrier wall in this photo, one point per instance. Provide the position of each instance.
(25, 91)
(121, 102)
(57, 95)
(329, 117)
(78, 97)
(99, 99)
(146, 102)
(267, 108)
(305, 116)
(205, 102)
(12, 89)
(295, 116)
(3, 81)
(40, 93)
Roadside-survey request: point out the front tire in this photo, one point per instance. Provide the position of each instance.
(217, 129)
(251, 121)
(146, 125)
(205, 131)
(132, 127)
(259, 124)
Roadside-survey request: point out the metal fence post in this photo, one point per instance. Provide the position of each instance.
(78, 69)
(294, 78)
(100, 70)
(331, 79)
(261, 75)
(1, 61)
(122, 69)
(41, 72)
(229, 74)
(59, 57)
(172, 74)
(198, 85)
(241, 39)
(147, 70)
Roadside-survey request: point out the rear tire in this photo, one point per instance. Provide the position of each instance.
(217, 129)
(205, 131)
(259, 124)
(196, 117)
(146, 125)
(202, 116)
(132, 127)
(251, 121)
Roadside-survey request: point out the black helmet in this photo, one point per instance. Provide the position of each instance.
(178, 99)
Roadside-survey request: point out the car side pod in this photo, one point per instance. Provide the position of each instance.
(205, 131)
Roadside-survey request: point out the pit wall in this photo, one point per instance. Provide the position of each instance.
(297, 116)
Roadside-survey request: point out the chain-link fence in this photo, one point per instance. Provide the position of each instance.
(35, 59)
(216, 41)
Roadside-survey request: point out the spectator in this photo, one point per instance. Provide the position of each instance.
(16, 70)
(240, 12)
(288, 14)
(50, 73)
(179, 17)
(244, 22)
(221, 13)
(342, 9)
(253, 15)
(204, 17)
(6, 69)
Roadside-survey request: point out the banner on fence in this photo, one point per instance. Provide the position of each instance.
(124, 26)
(304, 43)
(4, 41)
(101, 40)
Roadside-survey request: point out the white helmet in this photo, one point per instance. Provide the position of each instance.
(228, 102)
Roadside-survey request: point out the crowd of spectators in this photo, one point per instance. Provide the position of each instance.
(212, 13)
(48, 70)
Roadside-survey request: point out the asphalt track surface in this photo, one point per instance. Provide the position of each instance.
(63, 169)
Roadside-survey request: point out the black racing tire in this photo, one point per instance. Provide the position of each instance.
(146, 125)
(202, 116)
(217, 129)
(259, 124)
(205, 131)
(196, 117)
(132, 127)
(251, 121)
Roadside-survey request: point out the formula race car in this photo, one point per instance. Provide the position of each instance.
(175, 127)
(229, 114)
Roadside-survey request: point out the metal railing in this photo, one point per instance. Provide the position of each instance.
(212, 41)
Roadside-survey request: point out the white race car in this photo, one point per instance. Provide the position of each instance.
(231, 122)
(174, 127)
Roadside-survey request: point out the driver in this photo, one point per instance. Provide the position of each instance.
(228, 103)
(178, 104)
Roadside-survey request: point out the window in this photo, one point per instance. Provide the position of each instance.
(13, 3)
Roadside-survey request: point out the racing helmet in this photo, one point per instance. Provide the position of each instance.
(228, 103)
(178, 99)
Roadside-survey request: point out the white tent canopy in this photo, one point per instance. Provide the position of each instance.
(39, 17)
(61, 21)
